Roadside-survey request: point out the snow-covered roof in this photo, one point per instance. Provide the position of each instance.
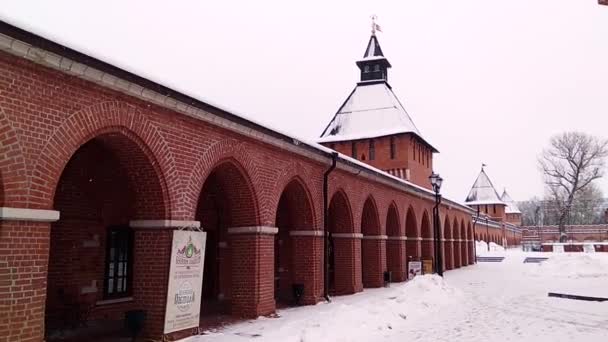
(511, 207)
(483, 192)
(372, 110)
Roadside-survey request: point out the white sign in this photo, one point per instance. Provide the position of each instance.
(589, 248)
(558, 248)
(414, 268)
(185, 280)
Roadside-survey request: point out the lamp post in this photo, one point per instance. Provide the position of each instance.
(436, 181)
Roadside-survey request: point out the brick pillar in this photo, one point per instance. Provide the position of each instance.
(471, 252)
(307, 260)
(412, 247)
(463, 252)
(373, 260)
(347, 254)
(252, 270)
(151, 266)
(24, 256)
(395, 258)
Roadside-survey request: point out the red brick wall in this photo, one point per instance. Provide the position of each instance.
(410, 153)
(24, 248)
(166, 158)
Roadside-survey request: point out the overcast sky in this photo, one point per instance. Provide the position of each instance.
(484, 80)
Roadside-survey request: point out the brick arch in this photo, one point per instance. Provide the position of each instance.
(411, 223)
(393, 227)
(219, 152)
(373, 257)
(447, 244)
(340, 213)
(412, 244)
(345, 248)
(297, 194)
(395, 246)
(237, 188)
(370, 222)
(427, 236)
(302, 175)
(463, 244)
(12, 168)
(86, 124)
(471, 243)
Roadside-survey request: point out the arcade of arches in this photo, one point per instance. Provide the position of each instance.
(93, 182)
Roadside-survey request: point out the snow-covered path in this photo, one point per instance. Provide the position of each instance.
(486, 302)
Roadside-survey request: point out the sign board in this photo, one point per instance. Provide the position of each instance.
(427, 266)
(558, 248)
(185, 280)
(414, 268)
(589, 248)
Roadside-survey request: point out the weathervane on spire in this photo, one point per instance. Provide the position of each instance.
(375, 27)
(483, 165)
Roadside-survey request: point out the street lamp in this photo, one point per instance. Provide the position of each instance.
(436, 181)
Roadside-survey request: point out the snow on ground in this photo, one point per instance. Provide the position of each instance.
(504, 301)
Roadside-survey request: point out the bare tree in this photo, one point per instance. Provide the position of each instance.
(570, 165)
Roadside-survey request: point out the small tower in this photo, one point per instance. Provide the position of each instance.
(374, 66)
(373, 126)
(484, 198)
(512, 212)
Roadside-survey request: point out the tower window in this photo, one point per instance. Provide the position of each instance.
(372, 150)
(494, 208)
(377, 67)
(414, 150)
(354, 151)
(393, 148)
(366, 68)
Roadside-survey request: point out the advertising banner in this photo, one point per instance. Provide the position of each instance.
(414, 268)
(185, 280)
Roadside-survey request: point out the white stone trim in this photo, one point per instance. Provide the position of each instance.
(397, 238)
(24, 214)
(306, 233)
(375, 237)
(113, 301)
(347, 235)
(164, 224)
(253, 230)
(427, 239)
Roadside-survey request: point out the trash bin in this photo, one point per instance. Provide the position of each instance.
(387, 278)
(134, 322)
(298, 292)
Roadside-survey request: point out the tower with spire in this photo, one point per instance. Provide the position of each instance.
(373, 126)
(484, 198)
(512, 212)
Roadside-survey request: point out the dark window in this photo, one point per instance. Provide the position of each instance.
(377, 67)
(428, 158)
(119, 262)
(494, 208)
(393, 148)
(414, 150)
(354, 152)
(372, 150)
(486, 209)
(366, 68)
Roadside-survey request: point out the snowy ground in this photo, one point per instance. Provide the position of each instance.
(485, 302)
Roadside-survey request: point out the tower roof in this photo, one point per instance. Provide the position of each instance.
(511, 207)
(483, 192)
(371, 110)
